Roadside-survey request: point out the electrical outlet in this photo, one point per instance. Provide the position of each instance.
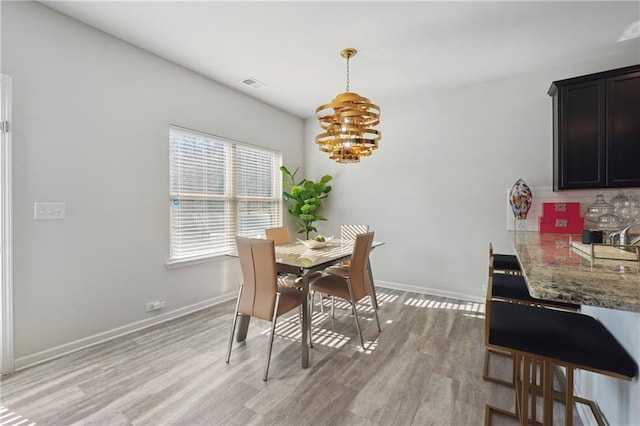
(154, 306)
(49, 211)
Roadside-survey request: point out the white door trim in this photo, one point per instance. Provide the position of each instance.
(6, 248)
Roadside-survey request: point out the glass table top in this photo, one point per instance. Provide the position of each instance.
(298, 255)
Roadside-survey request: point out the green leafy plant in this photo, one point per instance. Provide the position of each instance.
(307, 196)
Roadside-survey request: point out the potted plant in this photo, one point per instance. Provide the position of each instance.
(307, 196)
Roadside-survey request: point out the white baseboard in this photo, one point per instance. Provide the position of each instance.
(58, 351)
(431, 291)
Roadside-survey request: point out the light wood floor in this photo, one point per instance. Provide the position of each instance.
(423, 369)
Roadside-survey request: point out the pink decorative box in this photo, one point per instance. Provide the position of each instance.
(553, 210)
(561, 225)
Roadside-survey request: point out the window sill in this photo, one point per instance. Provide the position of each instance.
(181, 263)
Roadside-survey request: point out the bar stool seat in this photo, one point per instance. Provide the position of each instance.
(506, 261)
(514, 288)
(567, 337)
(553, 338)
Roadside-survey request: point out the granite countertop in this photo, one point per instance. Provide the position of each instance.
(556, 271)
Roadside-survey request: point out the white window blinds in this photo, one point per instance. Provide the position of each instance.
(219, 189)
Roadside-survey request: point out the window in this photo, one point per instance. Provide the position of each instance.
(219, 189)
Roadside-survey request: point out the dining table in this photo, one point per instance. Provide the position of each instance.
(304, 261)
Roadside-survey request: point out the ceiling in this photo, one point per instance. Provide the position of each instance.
(293, 47)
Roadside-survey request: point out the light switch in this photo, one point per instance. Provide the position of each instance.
(49, 211)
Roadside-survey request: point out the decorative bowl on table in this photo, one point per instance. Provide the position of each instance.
(314, 243)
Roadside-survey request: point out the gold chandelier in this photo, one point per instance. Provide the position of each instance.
(348, 123)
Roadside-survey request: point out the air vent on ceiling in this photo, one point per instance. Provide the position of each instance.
(252, 82)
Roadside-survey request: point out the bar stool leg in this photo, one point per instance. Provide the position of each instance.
(547, 393)
(524, 399)
(568, 409)
(534, 389)
(517, 382)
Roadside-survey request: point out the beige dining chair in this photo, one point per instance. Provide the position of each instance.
(355, 284)
(347, 233)
(260, 296)
(287, 275)
(350, 232)
(279, 235)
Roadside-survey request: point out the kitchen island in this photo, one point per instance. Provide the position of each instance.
(608, 290)
(556, 271)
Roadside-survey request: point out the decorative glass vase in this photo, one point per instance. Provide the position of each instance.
(520, 199)
(597, 209)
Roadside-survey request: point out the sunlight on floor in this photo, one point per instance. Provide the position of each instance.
(288, 328)
(324, 337)
(9, 418)
(369, 347)
(456, 306)
(385, 297)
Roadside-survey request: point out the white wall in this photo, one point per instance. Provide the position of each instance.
(435, 192)
(91, 123)
(618, 399)
(91, 117)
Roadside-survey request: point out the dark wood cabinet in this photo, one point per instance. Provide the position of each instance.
(596, 130)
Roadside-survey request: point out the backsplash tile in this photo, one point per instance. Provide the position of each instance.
(545, 194)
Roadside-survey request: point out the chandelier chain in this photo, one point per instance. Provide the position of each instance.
(348, 73)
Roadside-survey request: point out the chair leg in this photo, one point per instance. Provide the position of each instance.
(273, 330)
(374, 306)
(233, 324)
(333, 306)
(355, 312)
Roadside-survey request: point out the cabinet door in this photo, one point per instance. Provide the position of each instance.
(581, 145)
(623, 130)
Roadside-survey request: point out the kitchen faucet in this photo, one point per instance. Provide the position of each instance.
(623, 235)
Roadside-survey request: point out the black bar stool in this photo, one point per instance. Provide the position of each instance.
(503, 263)
(510, 286)
(553, 338)
(513, 288)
